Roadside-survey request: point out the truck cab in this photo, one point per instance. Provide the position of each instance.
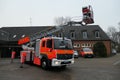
(53, 51)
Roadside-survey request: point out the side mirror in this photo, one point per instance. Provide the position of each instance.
(50, 50)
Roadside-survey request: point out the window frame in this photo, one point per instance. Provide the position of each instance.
(43, 43)
(84, 34)
(72, 34)
(49, 45)
(97, 34)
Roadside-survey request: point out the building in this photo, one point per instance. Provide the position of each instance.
(81, 36)
(9, 37)
(87, 36)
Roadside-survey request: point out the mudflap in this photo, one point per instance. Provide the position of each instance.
(37, 61)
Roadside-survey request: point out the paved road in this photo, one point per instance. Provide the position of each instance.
(83, 69)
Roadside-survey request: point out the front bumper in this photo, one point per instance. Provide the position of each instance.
(56, 62)
(89, 55)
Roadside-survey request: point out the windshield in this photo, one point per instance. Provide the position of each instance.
(62, 44)
(87, 49)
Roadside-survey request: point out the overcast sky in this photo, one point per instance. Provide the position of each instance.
(43, 12)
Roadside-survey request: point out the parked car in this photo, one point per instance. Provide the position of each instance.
(76, 55)
(114, 52)
(86, 52)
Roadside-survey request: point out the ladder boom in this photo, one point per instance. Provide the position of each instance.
(44, 33)
(39, 35)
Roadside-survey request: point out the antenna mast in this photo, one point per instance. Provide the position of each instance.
(30, 21)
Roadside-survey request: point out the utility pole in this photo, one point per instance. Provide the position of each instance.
(30, 21)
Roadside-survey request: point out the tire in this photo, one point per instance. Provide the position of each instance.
(44, 64)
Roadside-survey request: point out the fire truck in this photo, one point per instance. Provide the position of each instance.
(47, 51)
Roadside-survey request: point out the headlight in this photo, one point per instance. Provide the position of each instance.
(72, 61)
(56, 62)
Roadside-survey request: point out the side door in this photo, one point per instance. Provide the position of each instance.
(43, 47)
(49, 49)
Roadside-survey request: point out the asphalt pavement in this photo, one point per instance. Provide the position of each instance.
(83, 69)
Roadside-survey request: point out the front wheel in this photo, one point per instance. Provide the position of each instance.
(44, 64)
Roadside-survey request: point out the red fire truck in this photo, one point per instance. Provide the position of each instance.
(47, 51)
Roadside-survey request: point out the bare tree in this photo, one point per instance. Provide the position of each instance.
(62, 20)
(118, 34)
(112, 33)
(119, 26)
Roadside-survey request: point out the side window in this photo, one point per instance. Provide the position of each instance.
(49, 43)
(85, 34)
(72, 34)
(97, 34)
(43, 44)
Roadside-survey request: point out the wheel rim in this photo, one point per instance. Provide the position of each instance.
(43, 64)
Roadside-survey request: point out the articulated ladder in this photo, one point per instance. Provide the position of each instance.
(39, 35)
(45, 33)
(87, 19)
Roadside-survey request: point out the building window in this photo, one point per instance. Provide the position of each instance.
(23, 35)
(14, 36)
(78, 45)
(83, 45)
(2, 34)
(84, 34)
(90, 45)
(75, 45)
(72, 34)
(87, 45)
(97, 34)
(60, 35)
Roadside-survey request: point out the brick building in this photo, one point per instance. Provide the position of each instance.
(81, 36)
(87, 36)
